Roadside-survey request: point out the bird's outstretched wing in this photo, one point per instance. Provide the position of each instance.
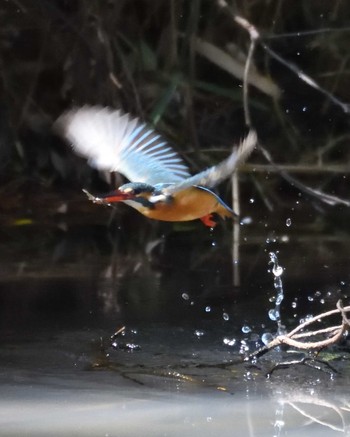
(213, 175)
(114, 141)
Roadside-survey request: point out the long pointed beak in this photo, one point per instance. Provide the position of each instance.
(112, 197)
(116, 196)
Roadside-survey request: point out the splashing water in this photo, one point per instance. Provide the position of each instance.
(266, 337)
(274, 314)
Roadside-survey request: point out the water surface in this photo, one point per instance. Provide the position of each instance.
(177, 368)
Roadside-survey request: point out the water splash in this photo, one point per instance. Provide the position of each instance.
(275, 313)
(266, 337)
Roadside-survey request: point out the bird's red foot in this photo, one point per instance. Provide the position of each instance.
(208, 220)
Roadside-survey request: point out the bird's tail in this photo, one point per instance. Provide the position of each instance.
(225, 211)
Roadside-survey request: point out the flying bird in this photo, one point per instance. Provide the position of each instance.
(161, 186)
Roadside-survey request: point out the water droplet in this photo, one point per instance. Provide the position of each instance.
(266, 337)
(198, 333)
(132, 346)
(251, 200)
(213, 243)
(246, 329)
(229, 341)
(185, 296)
(305, 319)
(288, 222)
(310, 298)
(279, 299)
(246, 221)
(244, 347)
(274, 315)
(225, 316)
(294, 304)
(277, 271)
(207, 309)
(209, 419)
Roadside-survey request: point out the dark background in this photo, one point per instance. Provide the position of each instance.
(141, 56)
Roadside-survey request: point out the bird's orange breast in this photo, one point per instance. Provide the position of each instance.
(190, 204)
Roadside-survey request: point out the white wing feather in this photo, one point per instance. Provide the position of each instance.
(114, 141)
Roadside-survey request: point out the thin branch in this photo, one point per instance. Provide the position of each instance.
(320, 195)
(329, 330)
(255, 36)
(316, 319)
(290, 338)
(247, 117)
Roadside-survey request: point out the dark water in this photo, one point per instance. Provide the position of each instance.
(176, 369)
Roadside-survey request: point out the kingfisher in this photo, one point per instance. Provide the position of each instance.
(161, 186)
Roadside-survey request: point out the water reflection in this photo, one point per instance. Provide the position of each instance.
(173, 385)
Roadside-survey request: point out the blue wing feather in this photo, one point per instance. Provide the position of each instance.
(114, 141)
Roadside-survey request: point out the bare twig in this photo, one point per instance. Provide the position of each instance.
(291, 339)
(255, 36)
(247, 117)
(320, 195)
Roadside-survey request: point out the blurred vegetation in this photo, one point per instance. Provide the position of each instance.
(163, 61)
